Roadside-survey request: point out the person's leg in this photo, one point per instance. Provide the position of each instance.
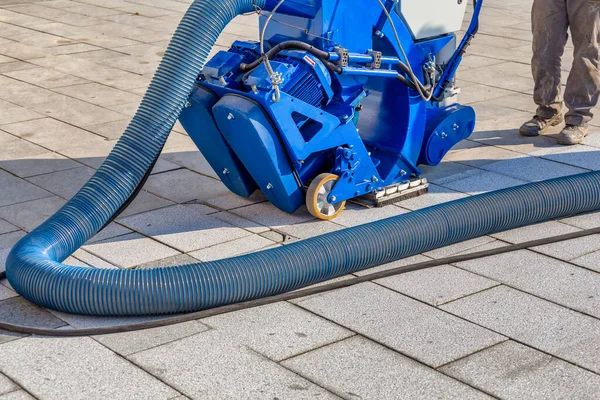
(583, 85)
(549, 26)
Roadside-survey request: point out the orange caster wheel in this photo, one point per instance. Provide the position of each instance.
(317, 196)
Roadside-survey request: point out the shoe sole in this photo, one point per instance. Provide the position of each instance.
(543, 130)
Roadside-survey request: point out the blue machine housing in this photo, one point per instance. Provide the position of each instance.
(362, 124)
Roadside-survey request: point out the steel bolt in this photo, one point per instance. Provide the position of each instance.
(379, 34)
(230, 116)
(403, 173)
(188, 104)
(444, 135)
(333, 198)
(269, 186)
(374, 179)
(455, 127)
(225, 171)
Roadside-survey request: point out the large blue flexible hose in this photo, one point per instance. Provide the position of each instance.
(34, 266)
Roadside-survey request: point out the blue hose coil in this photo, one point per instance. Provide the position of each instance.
(35, 269)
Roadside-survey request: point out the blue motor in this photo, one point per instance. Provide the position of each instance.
(335, 109)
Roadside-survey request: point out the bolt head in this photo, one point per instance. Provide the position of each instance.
(333, 198)
(230, 116)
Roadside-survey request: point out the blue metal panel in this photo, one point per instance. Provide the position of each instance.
(445, 128)
(200, 125)
(347, 22)
(256, 142)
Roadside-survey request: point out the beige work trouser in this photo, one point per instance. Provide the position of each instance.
(551, 20)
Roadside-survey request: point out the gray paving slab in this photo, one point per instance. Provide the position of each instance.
(17, 395)
(218, 369)
(3, 256)
(184, 228)
(6, 293)
(182, 259)
(233, 248)
(14, 147)
(72, 361)
(535, 322)
(130, 250)
(268, 215)
(192, 160)
(85, 258)
(240, 222)
(571, 249)
(5, 227)
(582, 156)
(406, 325)
(8, 240)
(510, 370)
(182, 186)
(589, 261)
(64, 183)
(53, 134)
(312, 228)
(230, 201)
(437, 195)
(19, 311)
(584, 221)
(483, 182)
(134, 342)
(358, 368)
(278, 331)
(551, 279)
(15, 190)
(533, 169)
(29, 215)
(39, 164)
(354, 215)
(113, 230)
(6, 385)
(145, 202)
(437, 285)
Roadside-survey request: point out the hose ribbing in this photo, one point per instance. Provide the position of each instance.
(34, 266)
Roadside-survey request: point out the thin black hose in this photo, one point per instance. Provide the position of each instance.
(28, 330)
(289, 44)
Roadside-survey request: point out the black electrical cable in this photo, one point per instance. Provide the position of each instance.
(289, 44)
(291, 295)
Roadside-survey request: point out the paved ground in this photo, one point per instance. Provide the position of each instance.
(516, 326)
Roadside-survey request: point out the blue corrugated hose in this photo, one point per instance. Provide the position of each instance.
(34, 266)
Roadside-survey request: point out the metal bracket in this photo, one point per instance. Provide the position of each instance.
(344, 57)
(376, 59)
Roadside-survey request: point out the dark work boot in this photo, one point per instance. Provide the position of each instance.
(538, 125)
(572, 134)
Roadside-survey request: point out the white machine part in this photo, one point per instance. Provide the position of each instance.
(430, 18)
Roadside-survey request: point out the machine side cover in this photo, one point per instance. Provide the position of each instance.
(34, 266)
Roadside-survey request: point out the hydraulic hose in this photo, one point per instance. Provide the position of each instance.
(35, 269)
